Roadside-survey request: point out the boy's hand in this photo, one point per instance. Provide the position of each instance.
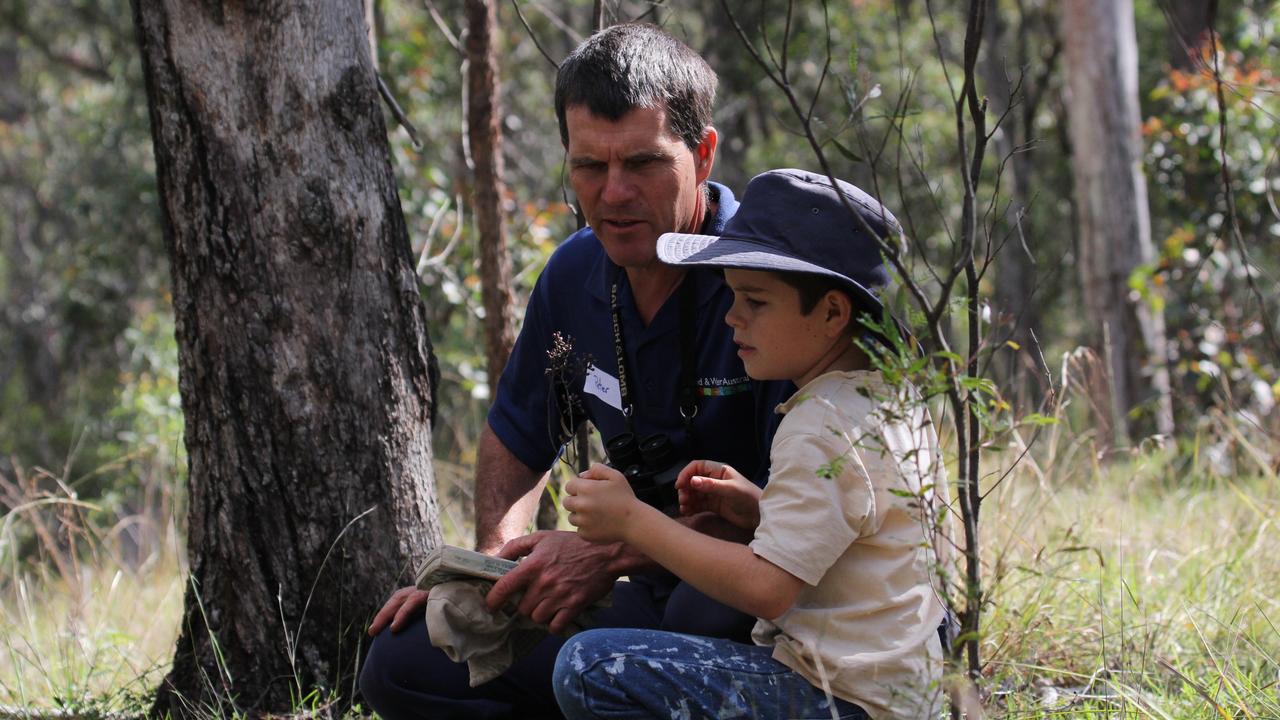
(601, 504)
(706, 485)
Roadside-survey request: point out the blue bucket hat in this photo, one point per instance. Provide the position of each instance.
(794, 221)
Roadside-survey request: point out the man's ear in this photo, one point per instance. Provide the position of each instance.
(704, 156)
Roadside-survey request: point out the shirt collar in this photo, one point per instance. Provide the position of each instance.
(870, 379)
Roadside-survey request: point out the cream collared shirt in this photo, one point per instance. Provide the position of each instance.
(854, 470)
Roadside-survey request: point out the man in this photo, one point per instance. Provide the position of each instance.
(616, 337)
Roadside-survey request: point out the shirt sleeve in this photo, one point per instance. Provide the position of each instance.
(816, 504)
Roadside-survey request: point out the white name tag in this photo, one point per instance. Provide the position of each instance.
(604, 386)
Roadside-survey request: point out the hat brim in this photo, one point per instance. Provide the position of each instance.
(728, 252)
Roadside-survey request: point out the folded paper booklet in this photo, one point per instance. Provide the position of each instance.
(447, 563)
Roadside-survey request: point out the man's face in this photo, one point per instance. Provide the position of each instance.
(635, 180)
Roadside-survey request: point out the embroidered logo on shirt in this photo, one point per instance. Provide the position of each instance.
(720, 387)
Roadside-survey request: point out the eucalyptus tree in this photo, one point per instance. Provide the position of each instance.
(306, 372)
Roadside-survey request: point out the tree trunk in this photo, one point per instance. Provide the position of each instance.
(484, 129)
(1015, 267)
(484, 133)
(305, 369)
(1115, 228)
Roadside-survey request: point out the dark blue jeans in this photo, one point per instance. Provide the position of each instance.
(405, 676)
(618, 673)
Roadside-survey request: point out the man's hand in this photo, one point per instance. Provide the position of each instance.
(560, 576)
(600, 504)
(399, 610)
(709, 486)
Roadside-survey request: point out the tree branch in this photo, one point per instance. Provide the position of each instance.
(449, 35)
(1237, 237)
(532, 36)
(398, 113)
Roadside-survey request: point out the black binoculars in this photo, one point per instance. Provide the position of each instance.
(650, 466)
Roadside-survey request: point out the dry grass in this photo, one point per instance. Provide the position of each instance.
(1148, 589)
(90, 611)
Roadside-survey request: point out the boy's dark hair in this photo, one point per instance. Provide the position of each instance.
(634, 65)
(813, 288)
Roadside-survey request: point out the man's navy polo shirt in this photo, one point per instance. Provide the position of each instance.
(735, 419)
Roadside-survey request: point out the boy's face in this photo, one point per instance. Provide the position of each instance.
(775, 340)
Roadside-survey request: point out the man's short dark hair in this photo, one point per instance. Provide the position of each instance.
(635, 65)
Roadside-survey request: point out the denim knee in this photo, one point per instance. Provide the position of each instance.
(579, 656)
(566, 678)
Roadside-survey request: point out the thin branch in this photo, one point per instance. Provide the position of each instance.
(438, 260)
(559, 22)
(1040, 88)
(398, 113)
(957, 267)
(826, 63)
(786, 35)
(937, 42)
(1026, 450)
(426, 260)
(653, 10)
(449, 35)
(1236, 235)
(532, 36)
(1008, 110)
(764, 37)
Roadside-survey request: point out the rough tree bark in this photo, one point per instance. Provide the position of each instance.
(484, 129)
(1100, 49)
(305, 369)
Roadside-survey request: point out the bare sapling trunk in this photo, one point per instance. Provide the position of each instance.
(306, 372)
(484, 133)
(484, 128)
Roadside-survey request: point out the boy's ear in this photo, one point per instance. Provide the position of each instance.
(838, 311)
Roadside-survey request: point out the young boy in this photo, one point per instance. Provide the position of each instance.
(841, 566)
